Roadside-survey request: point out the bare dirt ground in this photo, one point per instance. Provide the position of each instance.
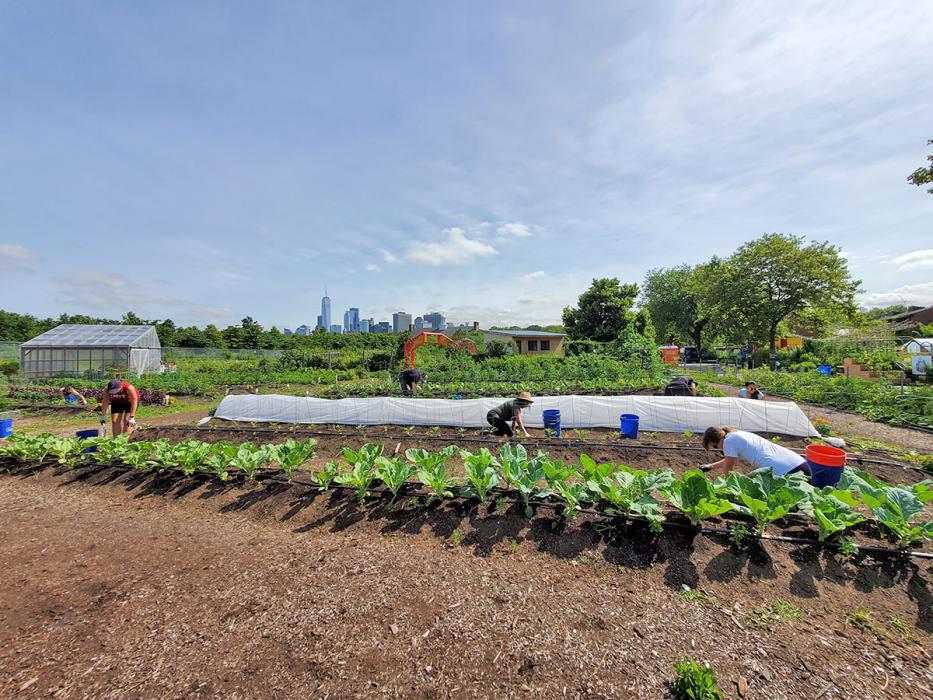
(845, 423)
(135, 585)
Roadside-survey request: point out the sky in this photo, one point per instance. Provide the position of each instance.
(205, 161)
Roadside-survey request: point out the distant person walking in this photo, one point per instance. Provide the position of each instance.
(681, 386)
(73, 396)
(410, 379)
(506, 418)
(122, 399)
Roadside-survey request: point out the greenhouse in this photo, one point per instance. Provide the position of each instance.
(78, 350)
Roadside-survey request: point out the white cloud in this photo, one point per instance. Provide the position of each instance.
(372, 267)
(455, 249)
(912, 294)
(531, 277)
(389, 257)
(114, 294)
(517, 229)
(15, 252)
(914, 259)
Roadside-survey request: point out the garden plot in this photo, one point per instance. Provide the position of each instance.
(154, 586)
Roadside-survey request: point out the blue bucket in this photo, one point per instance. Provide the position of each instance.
(552, 421)
(84, 435)
(628, 424)
(825, 370)
(6, 427)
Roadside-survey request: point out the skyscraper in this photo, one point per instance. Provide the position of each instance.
(351, 320)
(365, 324)
(435, 320)
(325, 310)
(401, 322)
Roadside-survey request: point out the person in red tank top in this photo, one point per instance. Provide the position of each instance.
(122, 399)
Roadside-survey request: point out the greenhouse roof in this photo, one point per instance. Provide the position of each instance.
(86, 335)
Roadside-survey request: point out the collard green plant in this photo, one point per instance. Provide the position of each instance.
(630, 491)
(323, 478)
(831, 514)
(291, 454)
(694, 496)
(894, 507)
(249, 458)
(393, 472)
(762, 495)
(481, 473)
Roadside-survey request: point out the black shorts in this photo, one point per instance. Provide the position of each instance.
(120, 407)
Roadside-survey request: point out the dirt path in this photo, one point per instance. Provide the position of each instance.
(852, 424)
(141, 586)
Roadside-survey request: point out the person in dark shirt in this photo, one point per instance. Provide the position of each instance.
(409, 379)
(681, 386)
(507, 417)
(751, 391)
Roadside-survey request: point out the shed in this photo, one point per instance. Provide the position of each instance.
(77, 350)
(530, 342)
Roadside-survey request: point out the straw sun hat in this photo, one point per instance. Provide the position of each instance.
(525, 397)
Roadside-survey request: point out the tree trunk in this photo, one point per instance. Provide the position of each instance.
(772, 337)
(697, 336)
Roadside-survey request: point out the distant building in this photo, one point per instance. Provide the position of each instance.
(401, 322)
(419, 324)
(435, 321)
(910, 319)
(303, 330)
(351, 320)
(325, 310)
(529, 342)
(381, 327)
(364, 325)
(288, 331)
(320, 323)
(336, 328)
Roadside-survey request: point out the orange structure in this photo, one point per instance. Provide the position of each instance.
(427, 338)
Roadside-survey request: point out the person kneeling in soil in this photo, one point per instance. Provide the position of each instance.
(751, 391)
(122, 399)
(681, 386)
(754, 449)
(73, 396)
(507, 417)
(410, 379)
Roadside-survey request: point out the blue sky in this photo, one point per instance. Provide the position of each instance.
(204, 161)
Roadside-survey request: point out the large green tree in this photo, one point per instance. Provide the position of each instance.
(923, 176)
(602, 312)
(776, 276)
(679, 302)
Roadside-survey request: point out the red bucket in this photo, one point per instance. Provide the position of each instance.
(826, 456)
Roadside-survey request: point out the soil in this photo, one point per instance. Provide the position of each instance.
(136, 585)
(848, 423)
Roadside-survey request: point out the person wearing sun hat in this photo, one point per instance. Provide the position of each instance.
(122, 399)
(506, 418)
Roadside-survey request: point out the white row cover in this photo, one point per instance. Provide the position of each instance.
(672, 414)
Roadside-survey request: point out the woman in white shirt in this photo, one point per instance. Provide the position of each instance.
(751, 448)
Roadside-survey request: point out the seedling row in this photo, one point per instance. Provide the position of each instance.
(614, 490)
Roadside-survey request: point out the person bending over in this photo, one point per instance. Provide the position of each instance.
(681, 386)
(122, 399)
(506, 418)
(410, 379)
(73, 396)
(750, 448)
(751, 391)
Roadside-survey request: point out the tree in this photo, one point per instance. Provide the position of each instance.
(769, 279)
(603, 311)
(679, 302)
(923, 176)
(191, 337)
